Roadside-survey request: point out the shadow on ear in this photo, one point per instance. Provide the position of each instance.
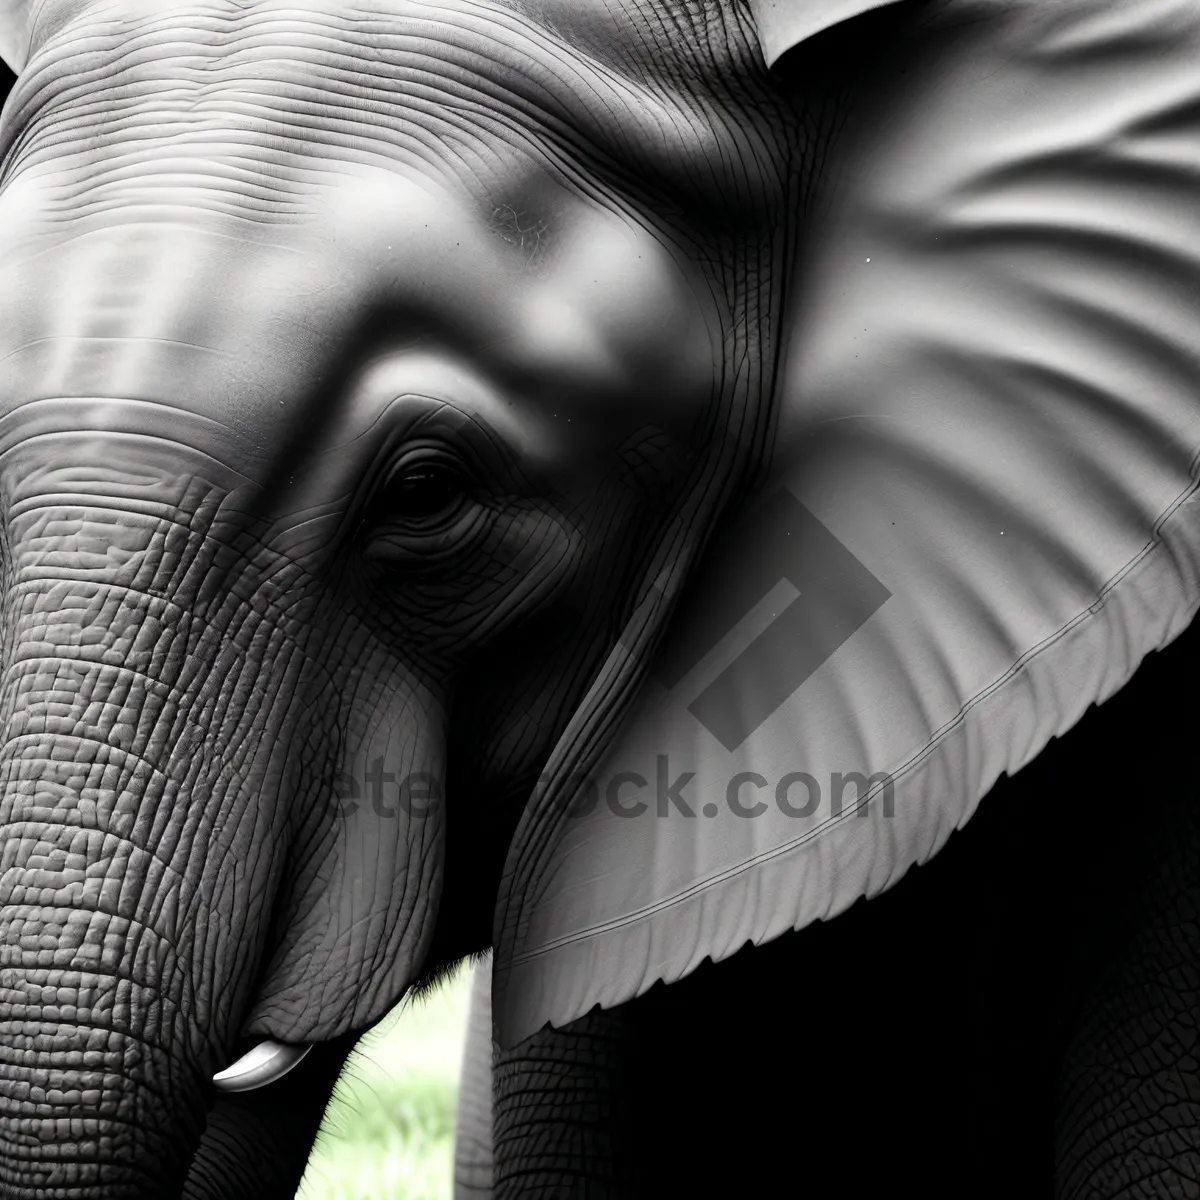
(980, 516)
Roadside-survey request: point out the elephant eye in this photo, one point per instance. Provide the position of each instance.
(430, 510)
(423, 492)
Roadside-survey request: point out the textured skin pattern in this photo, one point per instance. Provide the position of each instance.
(1129, 1114)
(271, 699)
(561, 1107)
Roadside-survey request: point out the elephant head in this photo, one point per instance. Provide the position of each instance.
(373, 379)
(371, 376)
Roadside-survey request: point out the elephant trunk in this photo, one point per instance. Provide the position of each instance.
(140, 841)
(103, 1065)
(90, 1109)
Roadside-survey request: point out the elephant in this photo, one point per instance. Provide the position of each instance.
(430, 427)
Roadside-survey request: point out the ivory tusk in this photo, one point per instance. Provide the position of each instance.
(267, 1062)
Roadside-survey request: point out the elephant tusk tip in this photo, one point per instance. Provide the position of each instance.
(267, 1062)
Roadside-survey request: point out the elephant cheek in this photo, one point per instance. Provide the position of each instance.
(356, 916)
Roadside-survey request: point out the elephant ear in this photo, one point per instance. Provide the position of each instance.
(982, 512)
(15, 21)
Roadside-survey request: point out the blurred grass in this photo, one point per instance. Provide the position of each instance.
(389, 1131)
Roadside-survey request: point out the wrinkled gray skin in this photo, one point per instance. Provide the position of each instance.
(362, 366)
(356, 361)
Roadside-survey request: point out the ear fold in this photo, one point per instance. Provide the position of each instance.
(15, 19)
(983, 511)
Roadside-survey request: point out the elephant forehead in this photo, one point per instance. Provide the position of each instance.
(219, 204)
(391, 287)
(251, 101)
